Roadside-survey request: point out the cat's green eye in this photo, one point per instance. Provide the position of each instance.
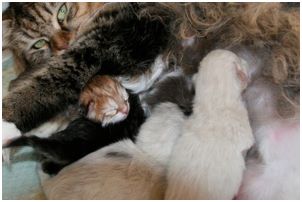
(62, 13)
(40, 44)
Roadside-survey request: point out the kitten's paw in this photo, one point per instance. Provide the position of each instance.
(9, 132)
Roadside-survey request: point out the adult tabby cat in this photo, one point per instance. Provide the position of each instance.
(127, 37)
(36, 31)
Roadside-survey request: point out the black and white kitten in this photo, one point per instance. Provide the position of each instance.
(106, 101)
(175, 87)
(120, 115)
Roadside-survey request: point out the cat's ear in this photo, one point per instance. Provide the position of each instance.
(242, 75)
(7, 26)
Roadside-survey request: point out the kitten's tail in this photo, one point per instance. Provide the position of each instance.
(44, 146)
(23, 141)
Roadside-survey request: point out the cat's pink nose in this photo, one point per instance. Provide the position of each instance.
(60, 41)
(124, 109)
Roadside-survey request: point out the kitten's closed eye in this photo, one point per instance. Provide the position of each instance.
(105, 100)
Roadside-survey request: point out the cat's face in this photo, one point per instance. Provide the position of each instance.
(105, 100)
(36, 31)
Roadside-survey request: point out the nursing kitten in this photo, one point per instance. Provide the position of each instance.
(207, 161)
(175, 87)
(123, 170)
(110, 47)
(274, 172)
(82, 136)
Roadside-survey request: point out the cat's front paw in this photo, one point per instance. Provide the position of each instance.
(9, 132)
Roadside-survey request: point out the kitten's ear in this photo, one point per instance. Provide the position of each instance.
(242, 75)
(7, 26)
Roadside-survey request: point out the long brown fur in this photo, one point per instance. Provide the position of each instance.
(270, 26)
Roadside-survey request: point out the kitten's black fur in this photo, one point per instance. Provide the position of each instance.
(82, 137)
(125, 41)
(177, 88)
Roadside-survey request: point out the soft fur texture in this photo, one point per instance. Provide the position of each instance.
(207, 161)
(82, 137)
(123, 170)
(175, 87)
(274, 172)
(27, 23)
(96, 98)
(272, 28)
(44, 91)
(105, 100)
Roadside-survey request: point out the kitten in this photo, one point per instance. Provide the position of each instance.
(82, 136)
(34, 32)
(273, 173)
(104, 96)
(49, 88)
(175, 87)
(105, 100)
(207, 161)
(123, 170)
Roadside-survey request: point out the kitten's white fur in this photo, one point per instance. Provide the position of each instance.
(158, 135)
(277, 176)
(145, 81)
(138, 172)
(207, 160)
(273, 174)
(9, 132)
(115, 118)
(48, 128)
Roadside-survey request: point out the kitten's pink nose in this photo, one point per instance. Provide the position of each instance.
(124, 109)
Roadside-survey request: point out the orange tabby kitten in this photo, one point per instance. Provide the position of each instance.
(105, 100)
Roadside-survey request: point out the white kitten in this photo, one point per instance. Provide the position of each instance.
(275, 173)
(207, 161)
(123, 170)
